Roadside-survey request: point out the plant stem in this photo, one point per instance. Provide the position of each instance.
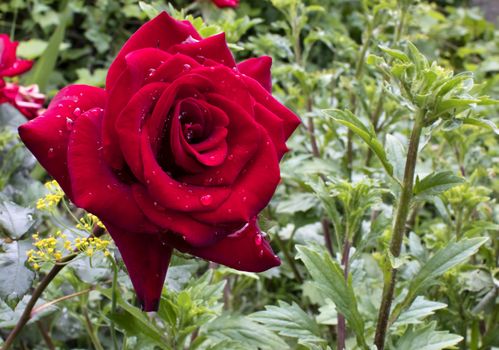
(45, 335)
(399, 229)
(113, 302)
(288, 257)
(26, 315)
(340, 343)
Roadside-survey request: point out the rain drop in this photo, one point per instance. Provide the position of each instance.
(260, 253)
(258, 239)
(51, 152)
(77, 112)
(187, 67)
(206, 199)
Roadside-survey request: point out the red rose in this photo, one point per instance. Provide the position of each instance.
(226, 3)
(10, 65)
(180, 151)
(28, 100)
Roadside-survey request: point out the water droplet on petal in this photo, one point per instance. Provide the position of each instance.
(77, 112)
(260, 253)
(187, 67)
(51, 152)
(206, 200)
(258, 239)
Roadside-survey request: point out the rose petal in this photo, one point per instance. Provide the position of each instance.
(47, 136)
(146, 257)
(245, 250)
(213, 48)
(193, 232)
(130, 122)
(252, 190)
(226, 3)
(274, 126)
(258, 68)
(139, 65)
(290, 120)
(96, 188)
(175, 195)
(162, 32)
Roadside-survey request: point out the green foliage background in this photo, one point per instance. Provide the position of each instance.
(349, 70)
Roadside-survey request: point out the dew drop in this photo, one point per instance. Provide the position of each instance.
(206, 199)
(69, 124)
(230, 157)
(151, 72)
(187, 67)
(260, 253)
(258, 239)
(51, 153)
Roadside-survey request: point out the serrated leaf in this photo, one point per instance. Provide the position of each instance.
(241, 330)
(436, 183)
(289, 320)
(328, 277)
(15, 277)
(16, 220)
(419, 309)
(366, 133)
(453, 254)
(427, 338)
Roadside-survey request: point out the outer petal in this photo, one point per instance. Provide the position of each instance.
(95, 186)
(290, 120)
(47, 136)
(146, 257)
(213, 48)
(162, 32)
(18, 67)
(245, 250)
(258, 68)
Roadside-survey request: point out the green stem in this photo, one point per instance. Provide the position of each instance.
(399, 229)
(288, 257)
(113, 302)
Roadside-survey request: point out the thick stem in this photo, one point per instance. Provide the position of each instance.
(26, 315)
(399, 229)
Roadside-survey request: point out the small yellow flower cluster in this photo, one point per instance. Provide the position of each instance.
(88, 222)
(51, 249)
(91, 245)
(47, 249)
(52, 198)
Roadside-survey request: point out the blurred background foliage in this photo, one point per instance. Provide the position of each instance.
(337, 199)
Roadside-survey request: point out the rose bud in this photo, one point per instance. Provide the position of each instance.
(10, 65)
(226, 3)
(180, 151)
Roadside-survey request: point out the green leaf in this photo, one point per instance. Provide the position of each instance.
(395, 152)
(436, 183)
(15, 277)
(427, 338)
(16, 220)
(241, 330)
(134, 322)
(298, 202)
(419, 309)
(9, 317)
(483, 123)
(453, 254)
(367, 134)
(41, 72)
(328, 278)
(395, 54)
(289, 320)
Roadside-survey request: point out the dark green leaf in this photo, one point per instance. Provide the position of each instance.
(436, 183)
